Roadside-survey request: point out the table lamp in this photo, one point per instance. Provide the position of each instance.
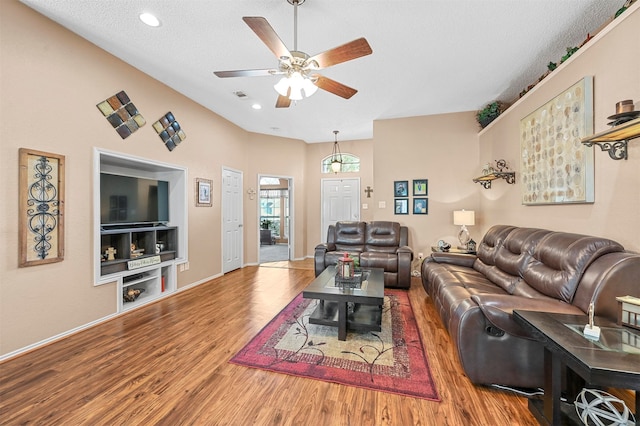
(464, 218)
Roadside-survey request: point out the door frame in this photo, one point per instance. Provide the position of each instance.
(323, 233)
(291, 242)
(222, 230)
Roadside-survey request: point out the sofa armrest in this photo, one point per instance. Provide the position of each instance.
(325, 247)
(405, 256)
(454, 258)
(498, 308)
(405, 249)
(318, 257)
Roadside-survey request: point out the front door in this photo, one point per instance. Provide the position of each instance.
(340, 202)
(232, 234)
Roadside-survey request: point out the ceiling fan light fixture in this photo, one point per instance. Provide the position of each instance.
(282, 87)
(308, 87)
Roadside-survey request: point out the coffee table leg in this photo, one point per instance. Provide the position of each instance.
(342, 320)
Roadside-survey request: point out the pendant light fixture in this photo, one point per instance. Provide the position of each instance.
(336, 155)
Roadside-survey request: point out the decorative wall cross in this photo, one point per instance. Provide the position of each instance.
(369, 190)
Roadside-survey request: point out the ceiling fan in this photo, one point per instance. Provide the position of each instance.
(298, 68)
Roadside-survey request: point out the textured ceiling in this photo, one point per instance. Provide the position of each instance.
(429, 56)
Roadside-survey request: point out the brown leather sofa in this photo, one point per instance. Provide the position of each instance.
(377, 245)
(528, 269)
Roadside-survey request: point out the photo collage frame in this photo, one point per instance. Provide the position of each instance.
(419, 204)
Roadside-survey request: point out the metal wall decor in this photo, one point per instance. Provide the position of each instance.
(169, 131)
(41, 219)
(556, 168)
(122, 114)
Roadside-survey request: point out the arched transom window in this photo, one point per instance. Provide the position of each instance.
(350, 164)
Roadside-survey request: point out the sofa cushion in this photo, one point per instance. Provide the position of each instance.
(511, 257)
(348, 236)
(490, 244)
(386, 261)
(559, 260)
(382, 237)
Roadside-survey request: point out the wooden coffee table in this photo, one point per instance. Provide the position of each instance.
(332, 310)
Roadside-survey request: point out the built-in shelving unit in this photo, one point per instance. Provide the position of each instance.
(136, 244)
(615, 139)
(141, 259)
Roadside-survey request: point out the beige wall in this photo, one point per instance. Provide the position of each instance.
(51, 81)
(613, 59)
(442, 149)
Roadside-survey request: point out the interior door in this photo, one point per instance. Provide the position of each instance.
(340, 201)
(232, 235)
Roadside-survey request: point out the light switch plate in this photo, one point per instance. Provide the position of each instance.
(382, 204)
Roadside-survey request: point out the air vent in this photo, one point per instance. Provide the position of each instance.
(240, 94)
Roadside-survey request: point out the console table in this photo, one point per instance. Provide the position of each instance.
(612, 361)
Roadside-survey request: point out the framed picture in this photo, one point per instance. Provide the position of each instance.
(556, 168)
(420, 187)
(420, 206)
(401, 206)
(203, 192)
(401, 188)
(41, 201)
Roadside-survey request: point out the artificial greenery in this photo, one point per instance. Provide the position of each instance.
(489, 113)
(356, 260)
(570, 51)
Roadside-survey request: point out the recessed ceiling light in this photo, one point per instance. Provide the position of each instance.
(256, 106)
(149, 19)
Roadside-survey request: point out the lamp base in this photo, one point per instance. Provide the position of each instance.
(464, 237)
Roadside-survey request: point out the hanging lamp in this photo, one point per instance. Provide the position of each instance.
(336, 155)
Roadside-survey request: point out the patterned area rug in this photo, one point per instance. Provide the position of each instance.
(392, 360)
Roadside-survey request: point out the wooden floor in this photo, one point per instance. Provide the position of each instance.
(166, 364)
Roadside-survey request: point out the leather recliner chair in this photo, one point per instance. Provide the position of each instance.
(377, 244)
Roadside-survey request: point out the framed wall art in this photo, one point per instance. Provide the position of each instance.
(203, 192)
(41, 203)
(420, 187)
(401, 188)
(420, 206)
(556, 168)
(401, 206)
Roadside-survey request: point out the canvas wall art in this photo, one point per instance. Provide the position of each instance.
(556, 168)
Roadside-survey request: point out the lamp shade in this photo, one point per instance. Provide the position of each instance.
(464, 217)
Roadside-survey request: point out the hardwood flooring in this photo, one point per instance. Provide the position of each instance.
(166, 364)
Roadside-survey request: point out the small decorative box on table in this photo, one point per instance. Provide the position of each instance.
(629, 313)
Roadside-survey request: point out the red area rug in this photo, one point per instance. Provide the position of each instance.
(392, 360)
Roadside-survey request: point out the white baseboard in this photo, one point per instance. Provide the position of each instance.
(94, 323)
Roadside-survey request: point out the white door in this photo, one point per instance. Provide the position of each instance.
(340, 202)
(232, 235)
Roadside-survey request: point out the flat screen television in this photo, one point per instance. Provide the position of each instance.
(126, 200)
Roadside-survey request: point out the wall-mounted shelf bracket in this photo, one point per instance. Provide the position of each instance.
(486, 179)
(615, 139)
(617, 150)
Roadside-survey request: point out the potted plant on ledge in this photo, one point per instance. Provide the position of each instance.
(489, 113)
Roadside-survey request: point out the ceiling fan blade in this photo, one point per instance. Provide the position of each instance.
(283, 102)
(352, 50)
(245, 73)
(266, 33)
(334, 87)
